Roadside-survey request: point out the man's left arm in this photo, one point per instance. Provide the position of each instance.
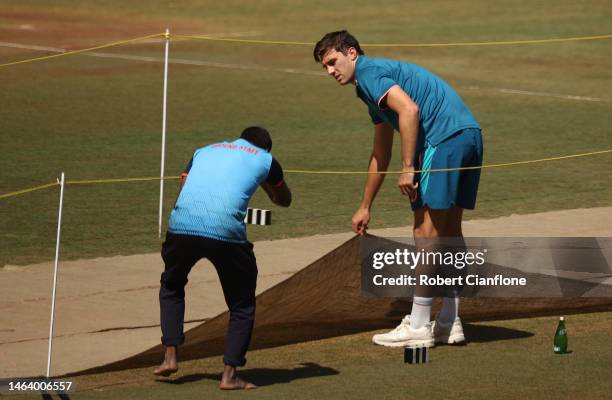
(408, 116)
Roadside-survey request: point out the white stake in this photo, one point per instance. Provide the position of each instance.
(163, 149)
(57, 245)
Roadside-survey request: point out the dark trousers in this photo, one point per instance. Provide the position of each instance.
(237, 269)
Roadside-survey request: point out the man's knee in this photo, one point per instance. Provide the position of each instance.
(453, 222)
(430, 223)
(243, 310)
(425, 232)
(427, 223)
(173, 282)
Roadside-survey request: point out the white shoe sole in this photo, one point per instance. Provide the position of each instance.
(404, 343)
(452, 339)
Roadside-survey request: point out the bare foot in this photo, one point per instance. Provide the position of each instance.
(166, 369)
(169, 366)
(230, 380)
(236, 384)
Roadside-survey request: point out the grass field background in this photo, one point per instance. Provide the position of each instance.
(101, 118)
(504, 359)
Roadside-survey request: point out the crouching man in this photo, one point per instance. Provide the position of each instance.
(207, 222)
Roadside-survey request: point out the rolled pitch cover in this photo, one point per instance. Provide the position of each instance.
(416, 355)
(257, 216)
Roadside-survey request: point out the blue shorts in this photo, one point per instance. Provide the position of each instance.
(444, 190)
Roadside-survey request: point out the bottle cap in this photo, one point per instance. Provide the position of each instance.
(562, 318)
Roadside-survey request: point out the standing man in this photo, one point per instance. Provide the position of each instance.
(437, 131)
(208, 222)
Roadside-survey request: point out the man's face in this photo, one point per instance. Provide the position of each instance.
(340, 66)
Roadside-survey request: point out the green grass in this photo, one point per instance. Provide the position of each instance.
(101, 118)
(504, 359)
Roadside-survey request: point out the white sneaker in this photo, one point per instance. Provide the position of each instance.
(403, 335)
(449, 333)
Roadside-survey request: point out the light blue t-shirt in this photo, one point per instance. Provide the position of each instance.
(441, 110)
(216, 194)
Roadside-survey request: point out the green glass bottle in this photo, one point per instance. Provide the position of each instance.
(560, 344)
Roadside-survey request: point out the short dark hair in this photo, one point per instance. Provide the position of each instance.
(258, 136)
(340, 41)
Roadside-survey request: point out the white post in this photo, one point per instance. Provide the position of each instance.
(57, 245)
(163, 149)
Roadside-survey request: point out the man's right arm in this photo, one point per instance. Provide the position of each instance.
(184, 175)
(182, 182)
(379, 162)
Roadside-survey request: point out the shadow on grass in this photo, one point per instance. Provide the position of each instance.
(264, 376)
(488, 333)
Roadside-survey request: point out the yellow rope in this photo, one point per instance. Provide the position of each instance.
(252, 41)
(499, 43)
(119, 180)
(297, 171)
(68, 53)
(86, 182)
(48, 185)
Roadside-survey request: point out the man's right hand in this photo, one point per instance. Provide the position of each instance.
(360, 220)
(406, 182)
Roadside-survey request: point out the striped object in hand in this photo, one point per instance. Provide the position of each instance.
(257, 216)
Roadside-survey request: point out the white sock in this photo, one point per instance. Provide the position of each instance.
(450, 310)
(421, 311)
